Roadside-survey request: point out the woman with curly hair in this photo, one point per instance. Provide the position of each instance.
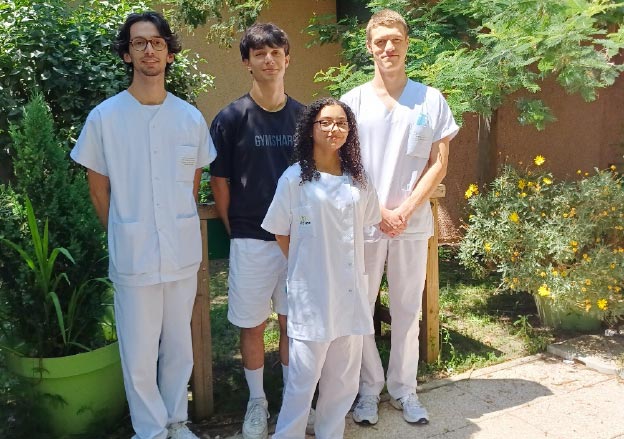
(321, 206)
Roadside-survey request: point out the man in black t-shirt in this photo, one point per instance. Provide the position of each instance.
(254, 140)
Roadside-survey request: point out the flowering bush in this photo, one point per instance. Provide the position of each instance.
(563, 241)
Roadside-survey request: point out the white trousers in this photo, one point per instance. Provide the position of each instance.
(154, 331)
(406, 271)
(335, 366)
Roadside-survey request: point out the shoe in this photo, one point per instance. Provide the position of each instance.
(413, 411)
(310, 424)
(366, 409)
(179, 430)
(256, 424)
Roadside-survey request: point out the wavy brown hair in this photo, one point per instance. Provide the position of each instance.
(349, 153)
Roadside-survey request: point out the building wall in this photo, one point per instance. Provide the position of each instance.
(231, 78)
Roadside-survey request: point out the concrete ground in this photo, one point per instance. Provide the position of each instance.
(576, 390)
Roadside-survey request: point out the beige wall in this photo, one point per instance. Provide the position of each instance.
(232, 79)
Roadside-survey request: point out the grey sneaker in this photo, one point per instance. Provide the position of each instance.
(256, 425)
(310, 424)
(366, 409)
(179, 430)
(413, 411)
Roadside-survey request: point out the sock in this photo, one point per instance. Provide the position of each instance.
(255, 382)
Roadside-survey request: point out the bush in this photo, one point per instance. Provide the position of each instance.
(61, 196)
(63, 49)
(561, 240)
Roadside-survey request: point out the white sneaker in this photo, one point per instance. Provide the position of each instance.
(256, 425)
(179, 430)
(413, 411)
(366, 409)
(310, 424)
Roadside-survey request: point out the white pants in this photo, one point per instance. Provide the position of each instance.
(406, 271)
(154, 331)
(337, 364)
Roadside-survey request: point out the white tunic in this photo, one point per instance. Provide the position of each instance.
(150, 155)
(396, 145)
(327, 286)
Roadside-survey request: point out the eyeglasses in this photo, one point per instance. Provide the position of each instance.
(140, 43)
(328, 125)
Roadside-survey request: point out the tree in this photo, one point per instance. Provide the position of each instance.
(478, 52)
(193, 13)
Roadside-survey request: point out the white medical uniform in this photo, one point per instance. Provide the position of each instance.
(327, 294)
(150, 154)
(396, 145)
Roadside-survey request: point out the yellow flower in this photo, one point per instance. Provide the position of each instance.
(587, 281)
(613, 167)
(612, 266)
(539, 160)
(473, 189)
(587, 305)
(543, 274)
(602, 304)
(521, 184)
(514, 217)
(487, 247)
(547, 180)
(573, 243)
(543, 290)
(579, 172)
(523, 194)
(585, 256)
(555, 273)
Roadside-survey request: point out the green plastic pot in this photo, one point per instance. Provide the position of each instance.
(557, 318)
(81, 393)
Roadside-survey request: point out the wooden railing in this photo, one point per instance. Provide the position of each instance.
(201, 381)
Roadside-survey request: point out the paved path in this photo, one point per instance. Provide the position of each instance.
(542, 396)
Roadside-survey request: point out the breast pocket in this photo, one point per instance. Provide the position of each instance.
(304, 222)
(420, 137)
(186, 159)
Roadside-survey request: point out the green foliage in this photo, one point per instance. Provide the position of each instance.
(221, 28)
(60, 195)
(478, 52)
(561, 240)
(63, 49)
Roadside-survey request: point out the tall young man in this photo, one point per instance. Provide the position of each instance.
(405, 130)
(144, 149)
(254, 139)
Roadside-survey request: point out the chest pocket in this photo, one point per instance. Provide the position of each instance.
(420, 137)
(186, 159)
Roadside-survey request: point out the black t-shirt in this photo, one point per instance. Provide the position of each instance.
(254, 147)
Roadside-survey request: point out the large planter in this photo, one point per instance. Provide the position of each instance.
(218, 240)
(558, 318)
(81, 393)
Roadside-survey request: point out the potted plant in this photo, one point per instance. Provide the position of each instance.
(56, 308)
(562, 241)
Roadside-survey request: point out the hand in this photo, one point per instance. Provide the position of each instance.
(392, 223)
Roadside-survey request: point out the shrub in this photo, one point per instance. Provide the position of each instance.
(61, 196)
(563, 241)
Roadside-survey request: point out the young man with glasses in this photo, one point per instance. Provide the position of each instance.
(405, 130)
(144, 150)
(254, 138)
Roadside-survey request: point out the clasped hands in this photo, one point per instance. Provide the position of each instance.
(392, 223)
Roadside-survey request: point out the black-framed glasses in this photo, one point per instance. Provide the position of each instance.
(140, 43)
(328, 125)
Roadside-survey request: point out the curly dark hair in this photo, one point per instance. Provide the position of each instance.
(122, 42)
(350, 157)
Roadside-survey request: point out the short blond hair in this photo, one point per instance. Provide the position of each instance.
(385, 17)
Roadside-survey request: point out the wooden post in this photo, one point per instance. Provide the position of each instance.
(201, 381)
(429, 339)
